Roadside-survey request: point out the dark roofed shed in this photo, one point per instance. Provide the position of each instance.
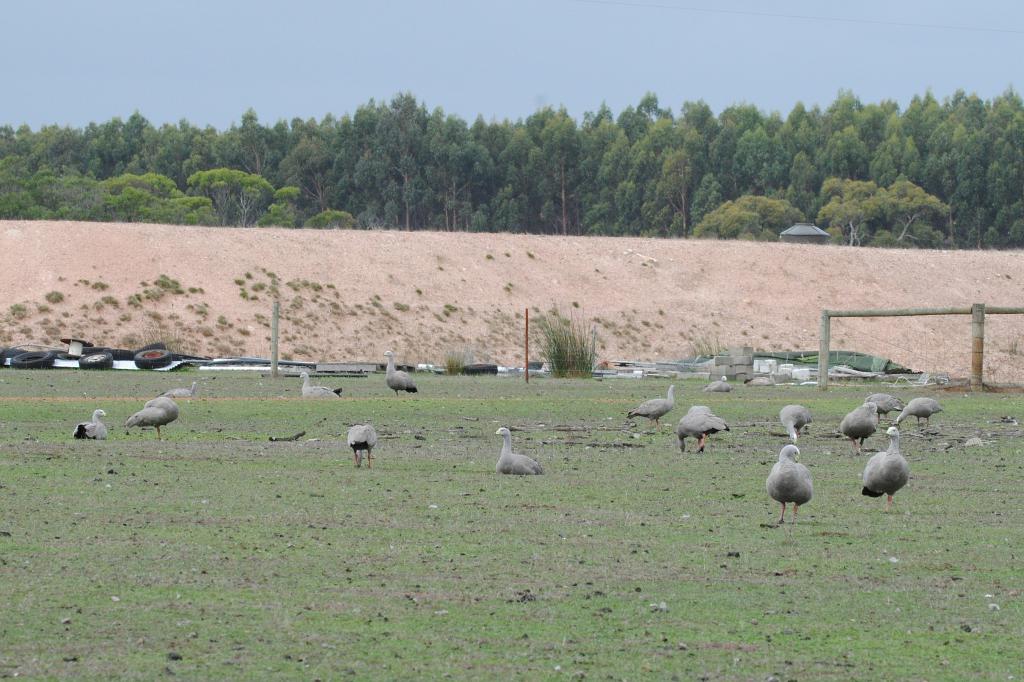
(805, 233)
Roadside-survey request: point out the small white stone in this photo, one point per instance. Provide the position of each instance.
(893, 560)
(433, 506)
(115, 599)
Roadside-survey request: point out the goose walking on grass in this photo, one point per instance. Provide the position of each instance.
(656, 408)
(794, 418)
(886, 403)
(93, 429)
(511, 463)
(362, 438)
(720, 386)
(699, 422)
(181, 392)
(157, 412)
(398, 380)
(789, 481)
(860, 424)
(886, 472)
(310, 391)
(921, 408)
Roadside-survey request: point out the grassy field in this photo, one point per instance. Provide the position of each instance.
(218, 554)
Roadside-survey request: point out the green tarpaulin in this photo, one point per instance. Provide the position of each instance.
(859, 361)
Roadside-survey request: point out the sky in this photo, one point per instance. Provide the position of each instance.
(68, 62)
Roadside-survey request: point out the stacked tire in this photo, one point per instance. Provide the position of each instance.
(36, 359)
(96, 358)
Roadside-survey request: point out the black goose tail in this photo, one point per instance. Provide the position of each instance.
(80, 431)
(412, 389)
(870, 493)
(337, 391)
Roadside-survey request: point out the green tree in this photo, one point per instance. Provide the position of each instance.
(283, 212)
(749, 217)
(332, 219)
(905, 204)
(238, 197)
(850, 205)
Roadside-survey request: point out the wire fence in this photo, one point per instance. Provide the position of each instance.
(939, 344)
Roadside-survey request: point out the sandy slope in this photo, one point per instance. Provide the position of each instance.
(354, 294)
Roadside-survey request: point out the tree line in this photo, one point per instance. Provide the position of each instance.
(937, 174)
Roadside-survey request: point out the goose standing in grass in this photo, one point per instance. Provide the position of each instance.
(398, 380)
(310, 391)
(886, 403)
(794, 418)
(789, 481)
(181, 392)
(886, 472)
(512, 463)
(699, 422)
(93, 429)
(157, 412)
(362, 438)
(656, 408)
(921, 408)
(860, 424)
(720, 386)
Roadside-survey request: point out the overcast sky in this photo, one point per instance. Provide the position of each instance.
(71, 62)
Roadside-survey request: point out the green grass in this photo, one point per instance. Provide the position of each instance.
(234, 557)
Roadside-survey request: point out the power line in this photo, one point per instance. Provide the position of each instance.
(802, 17)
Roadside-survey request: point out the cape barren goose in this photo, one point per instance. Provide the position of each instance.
(699, 422)
(398, 380)
(922, 408)
(93, 429)
(886, 403)
(157, 412)
(656, 408)
(860, 424)
(720, 386)
(182, 392)
(794, 418)
(886, 472)
(362, 438)
(512, 463)
(310, 391)
(789, 481)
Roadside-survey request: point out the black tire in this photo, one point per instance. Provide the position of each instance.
(102, 360)
(159, 345)
(10, 353)
(42, 359)
(480, 368)
(122, 355)
(154, 358)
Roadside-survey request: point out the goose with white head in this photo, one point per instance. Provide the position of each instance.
(396, 379)
(513, 463)
(789, 482)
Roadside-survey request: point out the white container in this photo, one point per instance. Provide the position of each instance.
(801, 374)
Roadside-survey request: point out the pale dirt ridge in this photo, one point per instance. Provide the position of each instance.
(349, 295)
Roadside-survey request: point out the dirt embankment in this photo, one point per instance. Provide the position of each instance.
(355, 294)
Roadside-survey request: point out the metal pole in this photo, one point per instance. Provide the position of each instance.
(274, 315)
(823, 345)
(526, 365)
(977, 345)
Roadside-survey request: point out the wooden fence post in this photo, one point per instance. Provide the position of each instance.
(823, 346)
(977, 346)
